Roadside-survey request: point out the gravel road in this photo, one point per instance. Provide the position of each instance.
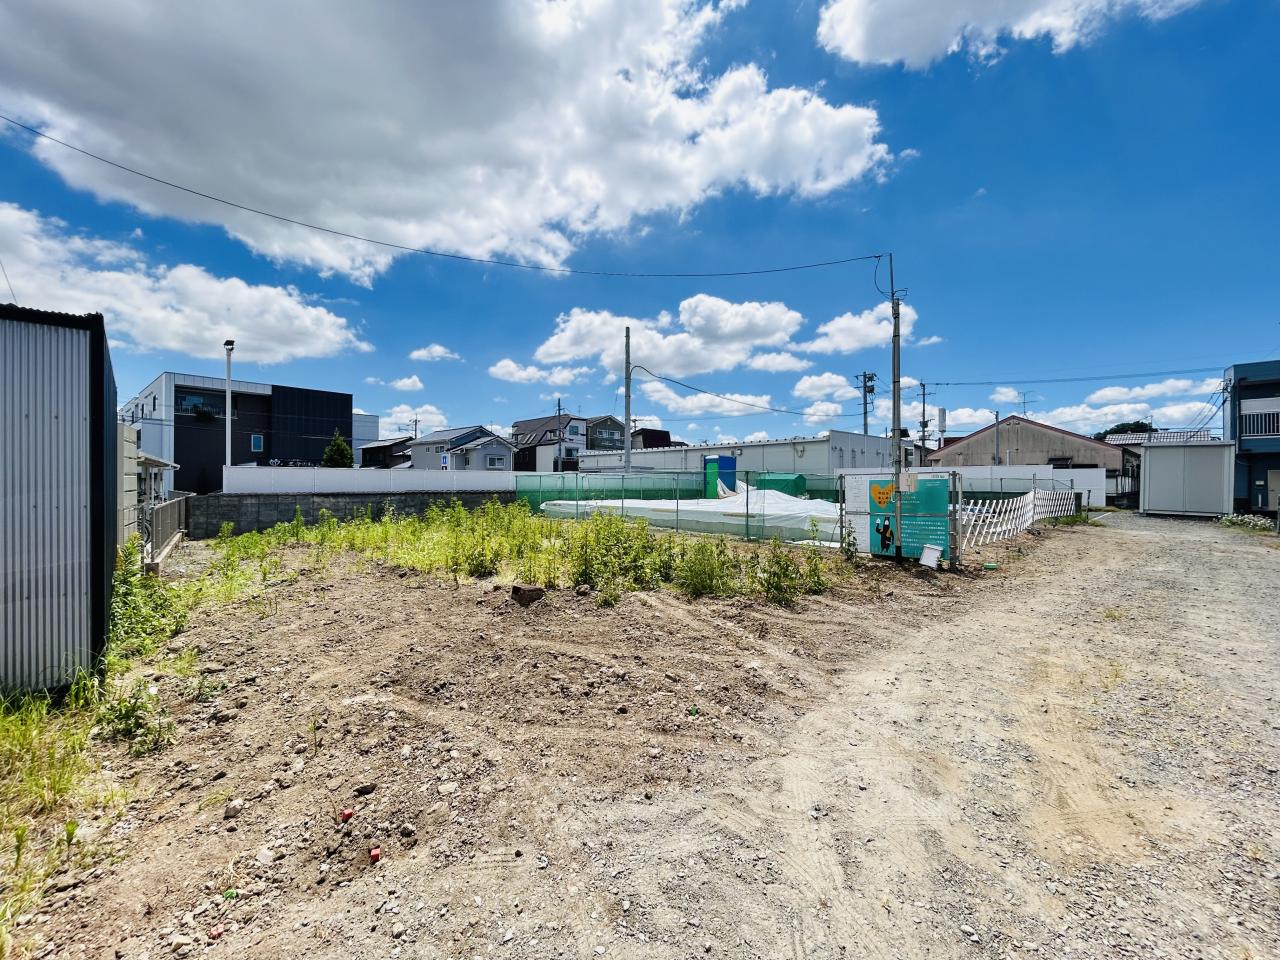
(1083, 763)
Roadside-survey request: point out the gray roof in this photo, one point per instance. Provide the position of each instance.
(387, 442)
(1161, 436)
(439, 436)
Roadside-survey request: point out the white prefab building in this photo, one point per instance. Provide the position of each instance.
(836, 451)
(1192, 479)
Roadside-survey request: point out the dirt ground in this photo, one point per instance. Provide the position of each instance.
(1075, 755)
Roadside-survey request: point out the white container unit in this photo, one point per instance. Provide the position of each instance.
(1188, 479)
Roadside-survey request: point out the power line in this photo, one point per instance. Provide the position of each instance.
(721, 396)
(487, 261)
(8, 281)
(1088, 379)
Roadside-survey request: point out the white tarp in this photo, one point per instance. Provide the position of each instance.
(765, 514)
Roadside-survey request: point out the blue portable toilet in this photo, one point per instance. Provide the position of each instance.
(719, 468)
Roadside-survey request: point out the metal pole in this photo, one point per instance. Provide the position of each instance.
(897, 414)
(626, 427)
(229, 345)
(559, 464)
(998, 439)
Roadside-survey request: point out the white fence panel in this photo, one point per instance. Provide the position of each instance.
(986, 521)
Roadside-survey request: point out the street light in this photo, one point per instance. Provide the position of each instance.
(229, 345)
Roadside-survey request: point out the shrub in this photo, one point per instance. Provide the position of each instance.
(780, 576)
(702, 569)
(1246, 521)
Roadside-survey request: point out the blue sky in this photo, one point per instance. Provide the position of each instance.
(1078, 188)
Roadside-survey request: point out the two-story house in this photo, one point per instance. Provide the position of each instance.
(549, 444)
(1251, 418)
(462, 448)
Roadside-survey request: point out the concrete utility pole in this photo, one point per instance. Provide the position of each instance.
(867, 380)
(897, 414)
(626, 386)
(229, 345)
(997, 438)
(415, 428)
(924, 414)
(559, 466)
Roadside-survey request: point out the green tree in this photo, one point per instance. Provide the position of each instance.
(338, 452)
(1130, 426)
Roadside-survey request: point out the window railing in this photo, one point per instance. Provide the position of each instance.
(1265, 424)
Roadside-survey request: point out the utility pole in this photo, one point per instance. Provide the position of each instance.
(998, 438)
(415, 428)
(924, 414)
(626, 385)
(897, 414)
(228, 345)
(868, 381)
(559, 439)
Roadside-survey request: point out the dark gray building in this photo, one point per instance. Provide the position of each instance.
(182, 418)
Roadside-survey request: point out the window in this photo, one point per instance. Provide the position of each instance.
(440, 449)
(571, 453)
(573, 430)
(255, 442)
(204, 406)
(495, 462)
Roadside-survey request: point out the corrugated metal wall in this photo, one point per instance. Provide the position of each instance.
(49, 569)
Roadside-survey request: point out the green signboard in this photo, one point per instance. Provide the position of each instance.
(924, 515)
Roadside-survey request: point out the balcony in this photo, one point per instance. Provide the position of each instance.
(1260, 424)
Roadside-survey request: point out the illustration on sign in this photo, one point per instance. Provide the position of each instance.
(924, 516)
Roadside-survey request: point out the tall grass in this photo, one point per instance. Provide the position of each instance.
(44, 743)
(608, 553)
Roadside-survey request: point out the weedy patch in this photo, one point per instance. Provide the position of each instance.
(610, 554)
(1112, 613)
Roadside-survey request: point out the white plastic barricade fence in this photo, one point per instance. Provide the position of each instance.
(986, 521)
(250, 479)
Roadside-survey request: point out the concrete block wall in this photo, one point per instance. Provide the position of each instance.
(261, 511)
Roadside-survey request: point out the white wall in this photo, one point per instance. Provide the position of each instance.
(353, 480)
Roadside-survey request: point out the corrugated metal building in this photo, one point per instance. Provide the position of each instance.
(58, 495)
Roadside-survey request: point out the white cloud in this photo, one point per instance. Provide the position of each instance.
(1083, 418)
(433, 351)
(398, 421)
(917, 32)
(374, 381)
(407, 384)
(1191, 413)
(507, 369)
(965, 417)
(758, 435)
(507, 127)
(823, 411)
(1005, 395)
(929, 341)
(502, 430)
(782, 362)
(691, 426)
(706, 334)
(825, 385)
(1173, 387)
(359, 410)
(700, 404)
(182, 308)
(648, 422)
(906, 383)
(858, 331)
